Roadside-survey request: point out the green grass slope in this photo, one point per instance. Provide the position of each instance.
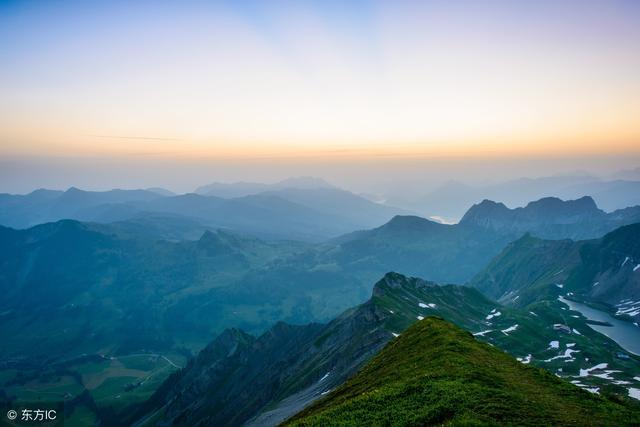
(438, 374)
(604, 272)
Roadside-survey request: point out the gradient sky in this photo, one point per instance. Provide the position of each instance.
(324, 80)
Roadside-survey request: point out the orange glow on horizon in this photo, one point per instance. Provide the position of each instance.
(183, 149)
(397, 80)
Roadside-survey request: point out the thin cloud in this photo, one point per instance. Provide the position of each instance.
(144, 138)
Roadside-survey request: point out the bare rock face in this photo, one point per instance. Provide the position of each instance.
(549, 217)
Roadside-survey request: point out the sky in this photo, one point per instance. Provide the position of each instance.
(111, 93)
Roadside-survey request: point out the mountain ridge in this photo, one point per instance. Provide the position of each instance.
(335, 351)
(241, 188)
(438, 374)
(453, 198)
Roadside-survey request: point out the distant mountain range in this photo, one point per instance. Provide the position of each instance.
(295, 213)
(310, 209)
(453, 198)
(242, 380)
(241, 189)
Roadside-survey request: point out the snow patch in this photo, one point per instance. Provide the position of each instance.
(554, 344)
(586, 372)
(524, 360)
(482, 333)
(428, 305)
(636, 267)
(509, 329)
(420, 318)
(493, 314)
(325, 377)
(634, 392)
(566, 355)
(628, 307)
(606, 375)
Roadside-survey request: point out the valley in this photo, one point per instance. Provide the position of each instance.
(147, 303)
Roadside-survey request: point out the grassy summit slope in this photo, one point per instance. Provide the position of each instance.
(436, 373)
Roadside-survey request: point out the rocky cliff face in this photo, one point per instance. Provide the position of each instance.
(238, 377)
(550, 218)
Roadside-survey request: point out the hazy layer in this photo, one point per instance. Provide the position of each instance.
(401, 176)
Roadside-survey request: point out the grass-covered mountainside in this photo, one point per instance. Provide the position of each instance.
(261, 381)
(604, 271)
(82, 288)
(438, 374)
